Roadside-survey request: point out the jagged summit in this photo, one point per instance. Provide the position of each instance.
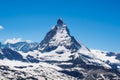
(59, 36)
(60, 22)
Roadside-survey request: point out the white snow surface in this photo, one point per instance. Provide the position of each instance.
(96, 56)
(102, 56)
(41, 71)
(53, 55)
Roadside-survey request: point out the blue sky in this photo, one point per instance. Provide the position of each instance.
(95, 23)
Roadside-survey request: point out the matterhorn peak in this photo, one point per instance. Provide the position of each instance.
(60, 22)
(59, 36)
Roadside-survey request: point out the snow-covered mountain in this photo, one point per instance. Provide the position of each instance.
(7, 53)
(59, 56)
(58, 36)
(21, 46)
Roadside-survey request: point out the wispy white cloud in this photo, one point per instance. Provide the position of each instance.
(16, 40)
(1, 27)
(13, 40)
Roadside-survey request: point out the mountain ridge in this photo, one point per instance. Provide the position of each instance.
(63, 51)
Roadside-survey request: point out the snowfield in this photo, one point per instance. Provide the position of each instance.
(31, 71)
(59, 56)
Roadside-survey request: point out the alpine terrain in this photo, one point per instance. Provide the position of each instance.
(59, 56)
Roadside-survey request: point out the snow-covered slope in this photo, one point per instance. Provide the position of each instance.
(105, 56)
(58, 57)
(15, 70)
(7, 53)
(110, 58)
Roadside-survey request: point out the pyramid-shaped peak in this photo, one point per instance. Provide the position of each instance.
(60, 22)
(59, 36)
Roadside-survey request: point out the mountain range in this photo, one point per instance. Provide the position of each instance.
(59, 56)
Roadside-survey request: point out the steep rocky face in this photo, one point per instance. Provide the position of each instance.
(59, 36)
(7, 53)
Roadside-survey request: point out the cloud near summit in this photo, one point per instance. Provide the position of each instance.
(1, 27)
(16, 40)
(12, 41)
